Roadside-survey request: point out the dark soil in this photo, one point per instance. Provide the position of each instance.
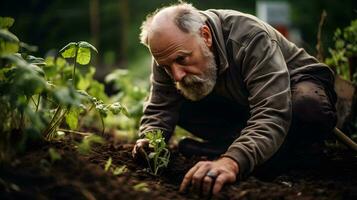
(34, 176)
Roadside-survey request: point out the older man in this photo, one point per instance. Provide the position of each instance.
(234, 81)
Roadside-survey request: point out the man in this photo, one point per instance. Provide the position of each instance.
(234, 81)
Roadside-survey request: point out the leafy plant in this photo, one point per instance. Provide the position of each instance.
(37, 96)
(160, 156)
(344, 52)
(132, 93)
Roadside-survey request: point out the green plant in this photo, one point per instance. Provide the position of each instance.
(160, 156)
(38, 96)
(344, 54)
(114, 169)
(132, 93)
(54, 155)
(141, 187)
(85, 146)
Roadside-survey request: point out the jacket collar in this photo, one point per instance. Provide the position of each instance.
(215, 25)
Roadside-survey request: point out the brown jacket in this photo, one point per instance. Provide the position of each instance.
(256, 66)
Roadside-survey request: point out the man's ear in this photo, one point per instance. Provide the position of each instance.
(206, 35)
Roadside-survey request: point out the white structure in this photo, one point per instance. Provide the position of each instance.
(274, 12)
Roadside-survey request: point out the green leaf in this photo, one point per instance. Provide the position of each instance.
(67, 96)
(120, 170)
(6, 22)
(37, 69)
(152, 155)
(36, 60)
(8, 36)
(54, 155)
(83, 56)
(83, 44)
(9, 43)
(28, 47)
(85, 146)
(72, 118)
(69, 51)
(108, 164)
(117, 108)
(143, 187)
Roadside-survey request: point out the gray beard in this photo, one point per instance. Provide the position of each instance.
(195, 87)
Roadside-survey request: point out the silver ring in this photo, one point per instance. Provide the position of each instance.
(211, 174)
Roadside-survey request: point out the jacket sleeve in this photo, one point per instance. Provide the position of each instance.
(161, 110)
(267, 81)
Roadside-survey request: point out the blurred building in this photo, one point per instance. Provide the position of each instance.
(278, 14)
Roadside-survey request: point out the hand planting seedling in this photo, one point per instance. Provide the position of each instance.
(160, 155)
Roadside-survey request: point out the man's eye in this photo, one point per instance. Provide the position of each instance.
(181, 59)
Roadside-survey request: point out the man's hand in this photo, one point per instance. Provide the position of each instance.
(209, 177)
(140, 148)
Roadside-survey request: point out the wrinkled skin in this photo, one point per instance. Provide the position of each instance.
(225, 169)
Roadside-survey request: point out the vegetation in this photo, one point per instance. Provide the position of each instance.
(160, 156)
(37, 96)
(116, 171)
(344, 54)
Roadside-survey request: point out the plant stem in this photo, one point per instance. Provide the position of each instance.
(74, 68)
(38, 102)
(46, 132)
(76, 132)
(57, 123)
(103, 127)
(33, 101)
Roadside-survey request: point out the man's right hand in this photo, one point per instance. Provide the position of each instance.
(141, 148)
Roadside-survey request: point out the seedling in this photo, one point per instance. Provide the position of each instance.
(160, 156)
(54, 155)
(142, 187)
(115, 170)
(85, 146)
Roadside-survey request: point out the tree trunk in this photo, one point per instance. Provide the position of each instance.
(123, 30)
(95, 25)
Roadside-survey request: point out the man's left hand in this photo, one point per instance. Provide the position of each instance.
(210, 176)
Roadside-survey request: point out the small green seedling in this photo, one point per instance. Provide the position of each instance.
(142, 187)
(85, 146)
(161, 155)
(54, 155)
(115, 170)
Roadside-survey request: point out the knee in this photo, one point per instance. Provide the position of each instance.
(311, 105)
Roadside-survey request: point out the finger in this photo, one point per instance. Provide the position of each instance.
(207, 185)
(187, 179)
(199, 175)
(220, 181)
(142, 143)
(134, 152)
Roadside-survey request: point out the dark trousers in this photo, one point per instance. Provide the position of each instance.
(219, 121)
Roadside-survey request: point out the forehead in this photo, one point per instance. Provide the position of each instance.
(166, 43)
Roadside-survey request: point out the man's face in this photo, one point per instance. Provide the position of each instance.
(188, 60)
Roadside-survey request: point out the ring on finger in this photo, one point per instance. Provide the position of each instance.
(211, 174)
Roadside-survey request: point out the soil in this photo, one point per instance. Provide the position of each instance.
(75, 176)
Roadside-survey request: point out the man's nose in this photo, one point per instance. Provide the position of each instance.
(178, 72)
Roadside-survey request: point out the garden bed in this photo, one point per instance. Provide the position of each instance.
(76, 176)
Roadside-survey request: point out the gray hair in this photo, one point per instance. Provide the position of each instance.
(186, 17)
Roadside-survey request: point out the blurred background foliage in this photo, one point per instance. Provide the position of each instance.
(113, 25)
